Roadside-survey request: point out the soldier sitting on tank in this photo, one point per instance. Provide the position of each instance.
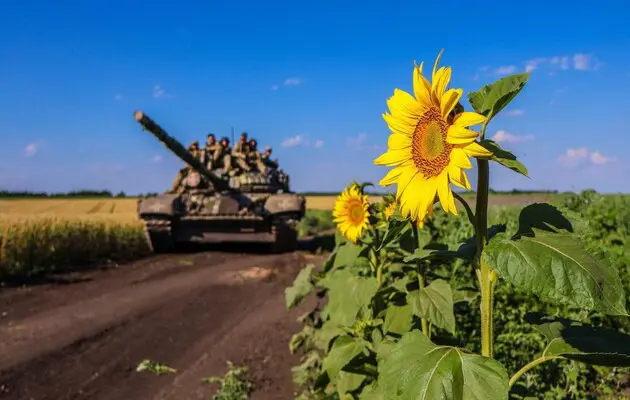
(254, 157)
(221, 158)
(178, 186)
(266, 159)
(208, 151)
(240, 153)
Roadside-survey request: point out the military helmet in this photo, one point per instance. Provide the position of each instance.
(225, 139)
(244, 135)
(267, 148)
(193, 144)
(253, 141)
(211, 134)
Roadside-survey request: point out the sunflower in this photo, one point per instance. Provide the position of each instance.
(351, 212)
(429, 145)
(389, 210)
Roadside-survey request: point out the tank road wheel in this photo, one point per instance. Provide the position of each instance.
(158, 234)
(286, 236)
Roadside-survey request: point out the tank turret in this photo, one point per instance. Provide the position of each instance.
(180, 151)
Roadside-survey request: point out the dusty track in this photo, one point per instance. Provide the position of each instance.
(83, 337)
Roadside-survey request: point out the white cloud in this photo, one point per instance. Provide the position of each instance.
(356, 141)
(157, 158)
(533, 64)
(505, 70)
(514, 113)
(582, 155)
(560, 62)
(159, 92)
(292, 141)
(583, 62)
(288, 82)
(118, 97)
(578, 62)
(32, 148)
(318, 143)
(292, 81)
(506, 137)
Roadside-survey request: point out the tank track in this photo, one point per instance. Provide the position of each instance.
(159, 235)
(286, 235)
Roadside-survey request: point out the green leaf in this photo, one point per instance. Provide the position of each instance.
(544, 217)
(301, 287)
(347, 294)
(325, 334)
(558, 266)
(394, 227)
(582, 342)
(348, 381)
(460, 296)
(415, 368)
(493, 98)
(504, 157)
(397, 319)
(372, 392)
(435, 303)
(343, 350)
(348, 254)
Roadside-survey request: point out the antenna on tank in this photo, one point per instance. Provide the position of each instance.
(232, 138)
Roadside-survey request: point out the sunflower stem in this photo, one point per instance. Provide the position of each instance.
(487, 277)
(421, 283)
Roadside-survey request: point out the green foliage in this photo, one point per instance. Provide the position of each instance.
(233, 386)
(315, 221)
(443, 312)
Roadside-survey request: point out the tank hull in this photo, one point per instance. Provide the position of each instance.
(169, 223)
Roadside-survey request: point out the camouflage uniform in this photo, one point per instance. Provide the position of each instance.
(240, 153)
(193, 148)
(209, 150)
(266, 159)
(254, 157)
(222, 157)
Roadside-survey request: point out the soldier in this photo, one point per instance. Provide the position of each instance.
(266, 159)
(240, 152)
(210, 148)
(254, 157)
(222, 157)
(193, 148)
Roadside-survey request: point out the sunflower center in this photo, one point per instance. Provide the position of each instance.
(430, 151)
(356, 213)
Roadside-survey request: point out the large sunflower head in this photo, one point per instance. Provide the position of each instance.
(429, 145)
(351, 212)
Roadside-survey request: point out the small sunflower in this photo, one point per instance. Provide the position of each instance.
(389, 210)
(429, 145)
(351, 212)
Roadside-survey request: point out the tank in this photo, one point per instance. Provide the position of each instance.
(248, 207)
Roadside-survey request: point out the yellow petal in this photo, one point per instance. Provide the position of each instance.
(398, 126)
(458, 177)
(397, 141)
(403, 102)
(468, 118)
(435, 66)
(393, 157)
(440, 81)
(421, 86)
(459, 135)
(449, 100)
(476, 150)
(445, 194)
(417, 196)
(460, 159)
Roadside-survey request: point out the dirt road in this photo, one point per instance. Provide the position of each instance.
(82, 337)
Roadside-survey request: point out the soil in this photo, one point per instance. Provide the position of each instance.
(82, 335)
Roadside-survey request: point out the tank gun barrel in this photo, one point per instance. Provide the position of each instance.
(180, 151)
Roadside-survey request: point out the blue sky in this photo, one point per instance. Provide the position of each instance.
(310, 79)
